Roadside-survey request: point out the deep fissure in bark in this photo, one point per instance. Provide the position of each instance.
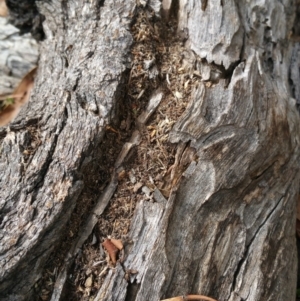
(137, 103)
(105, 226)
(96, 174)
(132, 291)
(248, 246)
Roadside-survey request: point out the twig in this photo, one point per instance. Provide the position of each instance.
(190, 297)
(199, 297)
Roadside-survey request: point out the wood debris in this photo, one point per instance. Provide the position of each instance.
(111, 249)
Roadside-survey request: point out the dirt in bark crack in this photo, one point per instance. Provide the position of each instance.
(96, 175)
(159, 61)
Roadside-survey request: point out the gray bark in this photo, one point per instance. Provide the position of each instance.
(227, 228)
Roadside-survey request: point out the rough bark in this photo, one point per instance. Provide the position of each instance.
(61, 125)
(227, 227)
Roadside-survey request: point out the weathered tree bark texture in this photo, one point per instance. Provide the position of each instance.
(227, 229)
(64, 120)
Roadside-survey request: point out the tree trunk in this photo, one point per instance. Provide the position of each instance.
(183, 110)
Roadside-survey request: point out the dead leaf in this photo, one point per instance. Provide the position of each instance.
(10, 105)
(117, 242)
(111, 249)
(3, 9)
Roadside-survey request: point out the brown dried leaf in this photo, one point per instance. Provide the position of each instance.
(117, 242)
(111, 249)
(19, 97)
(3, 9)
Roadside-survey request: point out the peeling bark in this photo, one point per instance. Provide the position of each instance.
(227, 227)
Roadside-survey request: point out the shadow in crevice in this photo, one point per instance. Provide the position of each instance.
(298, 270)
(132, 291)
